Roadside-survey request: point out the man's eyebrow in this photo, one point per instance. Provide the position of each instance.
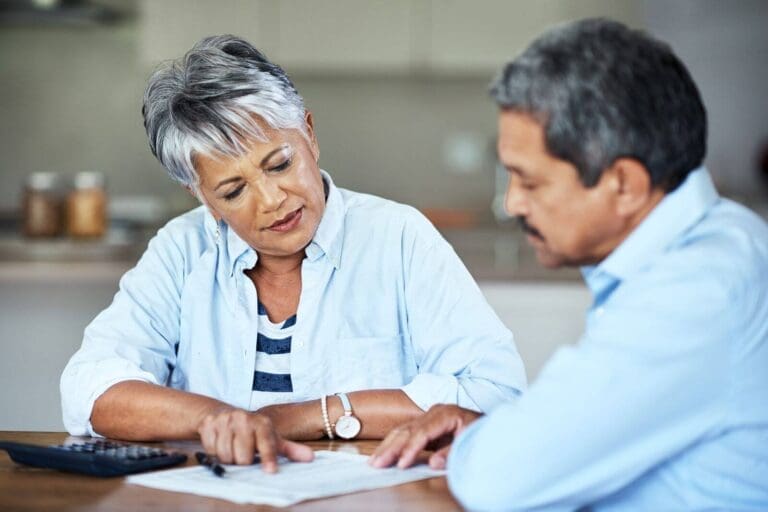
(515, 169)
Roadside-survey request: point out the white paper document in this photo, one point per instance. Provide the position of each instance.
(330, 474)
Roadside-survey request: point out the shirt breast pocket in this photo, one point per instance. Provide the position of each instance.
(372, 362)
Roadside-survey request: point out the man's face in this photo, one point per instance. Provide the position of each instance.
(565, 222)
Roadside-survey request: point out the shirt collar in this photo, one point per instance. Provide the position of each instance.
(328, 239)
(677, 211)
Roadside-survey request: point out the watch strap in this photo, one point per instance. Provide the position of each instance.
(345, 403)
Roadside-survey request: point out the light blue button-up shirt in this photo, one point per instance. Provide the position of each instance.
(385, 303)
(663, 403)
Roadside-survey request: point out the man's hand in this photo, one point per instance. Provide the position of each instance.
(434, 430)
(235, 435)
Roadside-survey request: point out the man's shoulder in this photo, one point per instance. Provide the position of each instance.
(730, 243)
(720, 258)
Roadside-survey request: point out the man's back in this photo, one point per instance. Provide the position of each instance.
(662, 402)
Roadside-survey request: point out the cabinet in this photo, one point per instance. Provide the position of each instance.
(315, 36)
(542, 316)
(45, 307)
(327, 37)
(169, 28)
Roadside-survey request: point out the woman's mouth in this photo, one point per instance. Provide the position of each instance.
(288, 222)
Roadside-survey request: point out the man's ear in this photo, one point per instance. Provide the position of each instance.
(630, 184)
(310, 122)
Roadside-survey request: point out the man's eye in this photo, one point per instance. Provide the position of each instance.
(232, 195)
(283, 166)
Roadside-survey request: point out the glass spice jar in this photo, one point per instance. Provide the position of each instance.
(42, 205)
(87, 206)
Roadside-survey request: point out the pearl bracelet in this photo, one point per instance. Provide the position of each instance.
(326, 421)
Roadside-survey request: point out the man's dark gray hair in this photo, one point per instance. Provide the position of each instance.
(215, 100)
(603, 91)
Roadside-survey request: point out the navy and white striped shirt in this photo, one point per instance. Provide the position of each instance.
(272, 376)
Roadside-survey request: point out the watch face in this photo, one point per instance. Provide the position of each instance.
(347, 427)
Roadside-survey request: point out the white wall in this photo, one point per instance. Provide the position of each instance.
(725, 47)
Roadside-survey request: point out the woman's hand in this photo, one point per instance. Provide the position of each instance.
(434, 430)
(235, 435)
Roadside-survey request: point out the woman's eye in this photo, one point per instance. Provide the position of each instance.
(282, 166)
(236, 192)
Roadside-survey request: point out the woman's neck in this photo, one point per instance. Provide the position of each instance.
(273, 268)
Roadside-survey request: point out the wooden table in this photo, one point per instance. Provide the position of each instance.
(25, 488)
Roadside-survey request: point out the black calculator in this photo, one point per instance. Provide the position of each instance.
(96, 458)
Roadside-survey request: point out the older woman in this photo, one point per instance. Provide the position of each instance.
(284, 307)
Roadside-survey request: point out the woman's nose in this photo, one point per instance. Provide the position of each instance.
(270, 196)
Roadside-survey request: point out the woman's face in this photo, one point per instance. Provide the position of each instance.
(273, 197)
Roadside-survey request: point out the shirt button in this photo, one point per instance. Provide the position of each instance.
(599, 311)
(301, 344)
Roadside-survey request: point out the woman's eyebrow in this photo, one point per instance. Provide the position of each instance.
(225, 181)
(265, 160)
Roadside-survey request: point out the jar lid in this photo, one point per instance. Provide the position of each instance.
(43, 180)
(89, 180)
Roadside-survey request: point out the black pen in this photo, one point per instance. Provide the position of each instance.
(211, 463)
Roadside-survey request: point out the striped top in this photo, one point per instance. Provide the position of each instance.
(272, 376)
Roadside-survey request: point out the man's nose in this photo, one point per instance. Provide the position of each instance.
(514, 201)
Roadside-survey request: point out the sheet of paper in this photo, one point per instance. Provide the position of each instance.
(330, 474)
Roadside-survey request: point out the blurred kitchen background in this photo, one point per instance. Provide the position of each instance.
(399, 93)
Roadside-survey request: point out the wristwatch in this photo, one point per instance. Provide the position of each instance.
(347, 426)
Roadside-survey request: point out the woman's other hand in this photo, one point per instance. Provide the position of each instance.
(235, 435)
(434, 430)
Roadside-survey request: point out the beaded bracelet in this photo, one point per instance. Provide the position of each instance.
(326, 421)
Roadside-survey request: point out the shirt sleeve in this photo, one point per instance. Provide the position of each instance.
(133, 339)
(465, 354)
(648, 380)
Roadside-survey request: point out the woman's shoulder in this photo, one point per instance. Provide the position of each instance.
(190, 233)
(374, 214)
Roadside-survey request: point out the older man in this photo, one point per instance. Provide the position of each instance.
(662, 403)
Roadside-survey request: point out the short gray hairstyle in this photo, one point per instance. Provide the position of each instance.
(212, 101)
(602, 91)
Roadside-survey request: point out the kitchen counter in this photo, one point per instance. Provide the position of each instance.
(502, 254)
(490, 253)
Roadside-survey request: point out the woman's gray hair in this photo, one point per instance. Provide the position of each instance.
(602, 91)
(212, 101)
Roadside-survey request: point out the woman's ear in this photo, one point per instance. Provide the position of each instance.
(310, 122)
(201, 198)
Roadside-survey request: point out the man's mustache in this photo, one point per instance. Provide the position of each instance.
(527, 228)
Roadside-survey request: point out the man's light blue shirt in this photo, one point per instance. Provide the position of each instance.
(385, 303)
(663, 403)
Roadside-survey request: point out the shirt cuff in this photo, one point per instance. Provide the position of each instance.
(80, 388)
(428, 389)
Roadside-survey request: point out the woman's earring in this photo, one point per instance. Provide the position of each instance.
(218, 231)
